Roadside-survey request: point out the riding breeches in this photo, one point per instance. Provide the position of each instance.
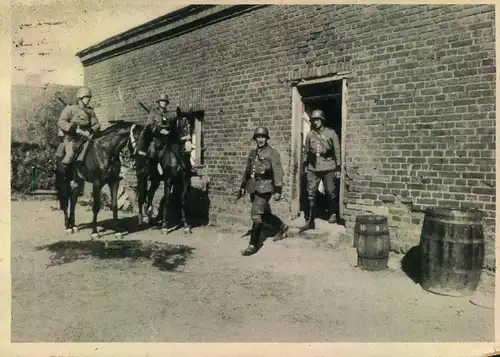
(313, 180)
(70, 146)
(260, 206)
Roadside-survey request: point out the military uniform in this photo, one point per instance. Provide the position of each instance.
(73, 117)
(156, 121)
(322, 150)
(262, 177)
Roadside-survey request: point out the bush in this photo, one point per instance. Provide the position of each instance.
(25, 157)
(32, 164)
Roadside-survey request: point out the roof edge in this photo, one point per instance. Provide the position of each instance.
(169, 18)
(163, 28)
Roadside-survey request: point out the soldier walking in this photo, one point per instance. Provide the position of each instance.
(262, 177)
(77, 122)
(322, 162)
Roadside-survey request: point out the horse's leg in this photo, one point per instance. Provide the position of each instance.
(64, 202)
(113, 190)
(184, 191)
(155, 183)
(73, 194)
(166, 193)
(63, 193)
(96, 206)
(142, 185)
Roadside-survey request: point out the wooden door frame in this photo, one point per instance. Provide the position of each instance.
(296, 166)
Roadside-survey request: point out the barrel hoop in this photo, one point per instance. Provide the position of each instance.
(472, 241)
(455, 271)
(369, 234)
(371, 219)
(454, 222)
(453, 213)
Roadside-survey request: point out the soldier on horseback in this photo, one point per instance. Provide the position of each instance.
(156, 121)
(78, 122)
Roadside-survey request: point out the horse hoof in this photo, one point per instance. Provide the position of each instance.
(118, 236)
(75, 229)
(69, 231)
(95, 236)
(164, 231)
(188, 231)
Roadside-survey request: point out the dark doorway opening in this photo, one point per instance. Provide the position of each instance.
(326, 96)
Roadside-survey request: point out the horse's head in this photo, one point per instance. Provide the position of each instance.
(115, 137)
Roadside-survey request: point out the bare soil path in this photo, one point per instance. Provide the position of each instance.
(200, 289)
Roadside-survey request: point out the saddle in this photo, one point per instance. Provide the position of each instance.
(79, 154)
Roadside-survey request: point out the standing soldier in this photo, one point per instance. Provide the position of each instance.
(322, 150)
(77, 121)
(262, 177)
(157, 119)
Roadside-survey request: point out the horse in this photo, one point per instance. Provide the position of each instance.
(175, 171)
(101, 165)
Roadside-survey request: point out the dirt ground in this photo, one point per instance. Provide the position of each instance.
(200, 289)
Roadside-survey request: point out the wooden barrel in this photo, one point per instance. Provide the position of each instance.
(452, 251)
(372, 242)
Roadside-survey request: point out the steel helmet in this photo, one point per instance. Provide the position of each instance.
(318, 114)
(261, 131)
(163, 97)
(83, 92)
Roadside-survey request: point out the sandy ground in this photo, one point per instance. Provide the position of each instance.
(202, 290)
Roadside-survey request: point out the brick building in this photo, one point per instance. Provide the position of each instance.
(410, 88)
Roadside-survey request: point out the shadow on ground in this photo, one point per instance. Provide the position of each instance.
(166, 257)
(129, 225)
(410, 264)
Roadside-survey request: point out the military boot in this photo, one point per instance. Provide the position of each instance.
(254, 240)
(310, 222)
(332, 207)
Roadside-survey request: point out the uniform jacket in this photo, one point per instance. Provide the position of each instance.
(322, 150)
(158, 119)
(263, 172)
(74, 116)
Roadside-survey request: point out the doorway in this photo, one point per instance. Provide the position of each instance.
(328, 95)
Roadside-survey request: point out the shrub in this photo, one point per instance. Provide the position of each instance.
(25, 158)
(32, 164)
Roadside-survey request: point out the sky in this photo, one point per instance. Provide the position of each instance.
(46, 34)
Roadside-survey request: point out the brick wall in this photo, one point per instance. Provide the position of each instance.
(421, 110)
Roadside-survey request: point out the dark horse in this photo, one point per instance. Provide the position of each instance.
(101, 165)
(175, 166)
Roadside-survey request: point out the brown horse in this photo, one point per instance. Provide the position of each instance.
(101, 165)
(175, 170)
